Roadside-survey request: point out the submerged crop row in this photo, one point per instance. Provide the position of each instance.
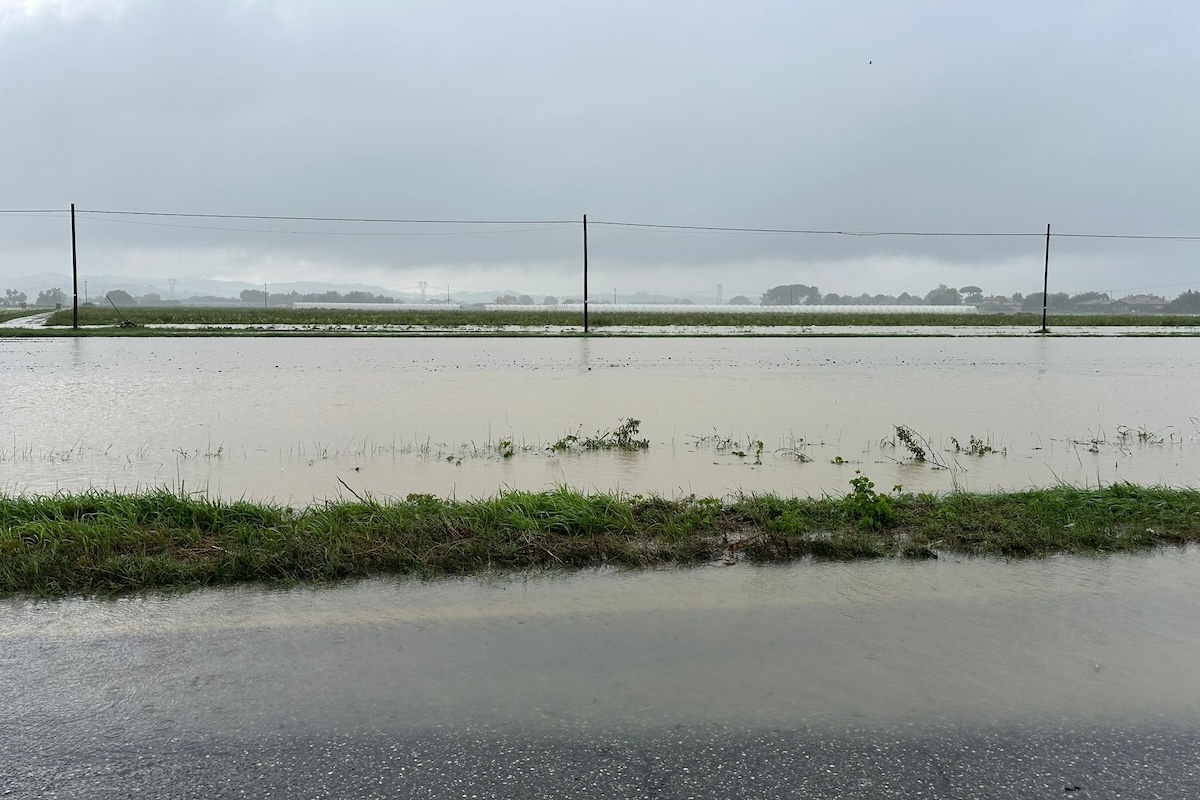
(107, 543)
(206, 316)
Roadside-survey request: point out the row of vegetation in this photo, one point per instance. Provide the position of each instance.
(106, 543)
(98, 315)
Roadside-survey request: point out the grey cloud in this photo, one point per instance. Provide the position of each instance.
(749, 113)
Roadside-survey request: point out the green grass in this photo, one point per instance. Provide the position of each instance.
(103, 543)
(100, 315)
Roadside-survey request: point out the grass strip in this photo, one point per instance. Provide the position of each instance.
(103, 543)
(182, 315)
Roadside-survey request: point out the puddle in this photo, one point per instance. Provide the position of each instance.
(954, 640)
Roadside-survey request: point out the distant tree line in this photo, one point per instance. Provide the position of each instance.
(258, 297)
(1186, 303)
(796, 294)
(943, 295)
(46, 297)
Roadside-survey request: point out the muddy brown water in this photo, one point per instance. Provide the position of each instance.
(284, 419)
(957, 640)
(1048, 641)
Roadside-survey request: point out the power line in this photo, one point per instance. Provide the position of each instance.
(284, 218)
(560, 222)
(1123, 236)
(88, 215)
(819, 232)
(801, 231)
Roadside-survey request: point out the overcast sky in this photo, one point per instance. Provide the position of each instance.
(869, 115)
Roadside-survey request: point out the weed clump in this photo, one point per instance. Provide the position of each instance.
(623, 437)
(911, 442)
(865, 506)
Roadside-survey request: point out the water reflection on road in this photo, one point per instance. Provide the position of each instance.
(956, 640)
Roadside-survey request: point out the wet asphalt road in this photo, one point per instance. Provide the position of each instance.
(974, 679)
(684, 762)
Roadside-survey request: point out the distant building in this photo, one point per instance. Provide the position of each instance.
(1140, 304)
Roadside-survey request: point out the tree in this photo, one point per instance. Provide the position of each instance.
(255, 296)
(740, 300)
(550, 300)
(150, 299)
(367, 297)
(50, 297)
(120, 297)
(972, 295)
(13, 298)
(791, 294)
(944, 295)
(1058, 302)
(514, 300)
(1186, 303)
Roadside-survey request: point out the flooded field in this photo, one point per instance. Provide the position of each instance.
(954, 664)
(288, 419)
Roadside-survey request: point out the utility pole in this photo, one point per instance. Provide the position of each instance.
(422, 284)
(74, 275)
(585, 275)
(720, 293)
(265, 295)
(1046, 282)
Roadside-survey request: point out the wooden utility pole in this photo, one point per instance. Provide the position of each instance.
(585, 276)
(74, 275)
(1046, 282)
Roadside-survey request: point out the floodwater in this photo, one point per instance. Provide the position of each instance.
(289, 419)
(951, 641)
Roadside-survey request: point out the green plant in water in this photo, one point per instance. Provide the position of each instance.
(975, 446)
(867, 507)
(909, 439)
(505, 448)
(564, 444)
(623, 437)
(978, 447)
